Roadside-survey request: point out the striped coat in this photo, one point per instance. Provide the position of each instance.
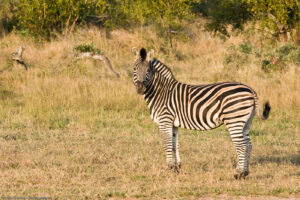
(197, 107)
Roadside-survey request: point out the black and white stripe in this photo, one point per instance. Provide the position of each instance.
(203, 107)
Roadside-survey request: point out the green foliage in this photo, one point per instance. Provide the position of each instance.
(167, 15)
(265, 65)
(276, 58)
(270, 66)
(270, 58)
(222, 13)
(245, 48)
(289, 52)
(48, 17)
(279, 16)
(87, 48)
(237, 56)
(6, 17)
(128, 13)
(59, 122)
(170, 13)
(42, 18)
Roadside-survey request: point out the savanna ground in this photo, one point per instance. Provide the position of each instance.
(73, 131)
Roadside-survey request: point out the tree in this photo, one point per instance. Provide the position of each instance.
(222, 13)
(280, 16)
(167, 14)
(5, 16)
(43, 17)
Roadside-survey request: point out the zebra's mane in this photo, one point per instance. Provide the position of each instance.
(161, 68)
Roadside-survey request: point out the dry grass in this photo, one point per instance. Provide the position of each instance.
(76, 132)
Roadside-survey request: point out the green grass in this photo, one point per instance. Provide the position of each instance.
(77, 133)
(122, 156)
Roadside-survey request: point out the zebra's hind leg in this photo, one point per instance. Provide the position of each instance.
(246, 131)
(175, 145)
(239, 132)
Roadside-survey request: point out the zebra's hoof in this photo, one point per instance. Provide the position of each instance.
(179, 165)
(170, 165)
(240, 175)
(174, 167)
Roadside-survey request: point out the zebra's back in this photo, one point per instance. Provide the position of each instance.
(206, 107)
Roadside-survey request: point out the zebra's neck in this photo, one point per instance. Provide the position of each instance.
(161, 69)
(161, 84)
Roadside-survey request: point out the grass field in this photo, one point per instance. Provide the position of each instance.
(79, 133)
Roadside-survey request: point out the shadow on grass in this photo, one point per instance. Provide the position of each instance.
(6, 94)
(294, 159)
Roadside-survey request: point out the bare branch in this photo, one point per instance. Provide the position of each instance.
(17, 57)
(100, 57)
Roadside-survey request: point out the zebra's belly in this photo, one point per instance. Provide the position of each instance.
(197, 125)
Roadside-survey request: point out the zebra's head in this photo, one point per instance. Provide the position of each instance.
(142, 73)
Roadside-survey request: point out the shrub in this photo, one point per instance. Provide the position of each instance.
(43, 18)
(245, 48)
(270, 58)
(279, 16)
(222, 13)
(289, 53)
(87, 48)
(237, 57)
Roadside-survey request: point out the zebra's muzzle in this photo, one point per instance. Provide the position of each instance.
(140, 87)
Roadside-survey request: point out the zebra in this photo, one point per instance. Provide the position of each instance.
(196, 107)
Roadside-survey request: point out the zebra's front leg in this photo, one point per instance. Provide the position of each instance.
(177, 164)
(166, 130)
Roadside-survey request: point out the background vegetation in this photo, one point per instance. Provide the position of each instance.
(69, 130)
(44, 18)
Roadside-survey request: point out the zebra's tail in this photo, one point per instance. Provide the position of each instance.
(265, 114)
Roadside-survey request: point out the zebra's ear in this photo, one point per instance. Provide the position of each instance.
(135, 51)
(150, 54)
(143, 54)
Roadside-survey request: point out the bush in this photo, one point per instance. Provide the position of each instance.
(87, 48)
(288, 53)
(237, 57)
(270, 58)
(279, 16)
(48, 17)
(245, 48)
(43, 18)
(222, 13)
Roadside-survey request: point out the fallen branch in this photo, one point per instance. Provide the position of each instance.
(96, 56)
(17, 57)
(88, 51)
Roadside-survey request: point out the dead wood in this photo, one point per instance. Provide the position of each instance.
(17, 57)
(100, 57)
